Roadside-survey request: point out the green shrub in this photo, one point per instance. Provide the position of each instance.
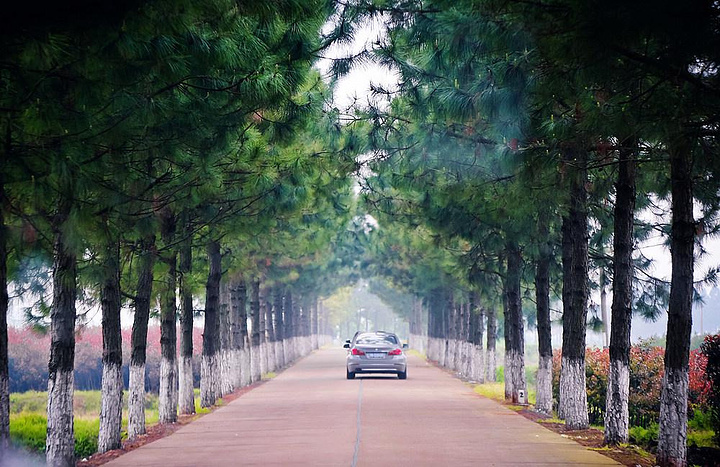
(86, 437)
(500, 374)
(644, 437)
(711, 350)
(28, 431)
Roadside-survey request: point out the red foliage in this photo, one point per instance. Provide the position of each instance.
(647, 366)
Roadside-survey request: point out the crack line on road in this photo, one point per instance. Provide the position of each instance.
(359, 426)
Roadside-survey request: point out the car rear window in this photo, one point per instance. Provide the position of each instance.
(376, 339)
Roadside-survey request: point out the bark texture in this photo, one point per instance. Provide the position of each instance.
(136, 386)
(617, 422)
(186, 396)
(544, 398)
(112, 383)
(4, 371)
(210, 374)
(514, 328)
(490, 360)
(167, 404)
(60, 440)
(574, 293)
(672, 449)
(136, 400)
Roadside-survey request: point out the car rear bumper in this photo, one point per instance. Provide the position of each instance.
(377, 367)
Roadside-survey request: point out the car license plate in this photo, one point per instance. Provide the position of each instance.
(376, 355)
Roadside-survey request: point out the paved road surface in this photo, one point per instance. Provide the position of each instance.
(311, 415)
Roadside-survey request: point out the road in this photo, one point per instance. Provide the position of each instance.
(311, 415)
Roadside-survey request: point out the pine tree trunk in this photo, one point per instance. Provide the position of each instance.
(186, 395)
(256, 354)
(672, 437)
(514, 328)
(573, 398)
(315, 330)
(60, 440)
(280, 326)
(112, 382)
(4, 367)
(167, 403)
(490, 361)
(209, 375)
(544, 397)
(143, 294)
(241, 290)
(617, 422)
(476, 336)
(289, 326)
(225, 382)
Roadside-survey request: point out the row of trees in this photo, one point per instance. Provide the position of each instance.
(526, 138)
(158, 151)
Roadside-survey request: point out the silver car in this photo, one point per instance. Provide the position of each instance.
(376, 352)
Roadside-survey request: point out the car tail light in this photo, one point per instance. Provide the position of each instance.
(395, 352)
(357, 352)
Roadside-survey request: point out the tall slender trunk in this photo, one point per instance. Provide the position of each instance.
(255, 371)
(225, 385)
(210, 374)
(672, 437)
(617, 422)
(476, 337)
(143, 294)
(186, 395)
(490, 360)
(4, 371)
(280, 324)
(544, 398)
(167, 404)
(244, 343)
(289, 325)
(60, 442)
(112, 382)
(573, 398)
(514, 328)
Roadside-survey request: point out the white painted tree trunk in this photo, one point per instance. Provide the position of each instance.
(478, 364)
(136, 401)
(245, 370)
(167, 401)
(255, 369)
(672, 438)
(227, 373)
(286, 351)
(186, 396)
(543, 390)
(616, 414)
(573, 398)
(111, 407)
(209, 380)
(271, 361)
(491, 366)
(236, 366)
(60, 439)
(279, 355)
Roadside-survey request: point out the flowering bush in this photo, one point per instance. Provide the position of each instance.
(710, 348)
(646, 372)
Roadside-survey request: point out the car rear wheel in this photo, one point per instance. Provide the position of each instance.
(402, 374)
(350, 374)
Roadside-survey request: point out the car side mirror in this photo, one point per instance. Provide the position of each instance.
(405, 346)
(346, 345)
(347, 341)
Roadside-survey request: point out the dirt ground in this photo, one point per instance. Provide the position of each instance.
(593, 439)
